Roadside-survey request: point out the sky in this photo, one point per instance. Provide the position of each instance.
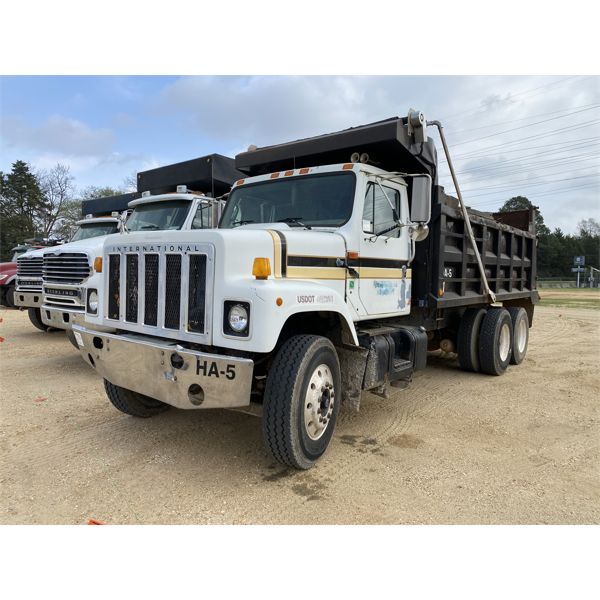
(508, 135)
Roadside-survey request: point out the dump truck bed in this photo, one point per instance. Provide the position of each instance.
(445, 270)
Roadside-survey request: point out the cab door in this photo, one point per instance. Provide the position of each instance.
(384, 276)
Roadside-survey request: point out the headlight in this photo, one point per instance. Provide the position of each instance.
(92, 302)
(238, 318)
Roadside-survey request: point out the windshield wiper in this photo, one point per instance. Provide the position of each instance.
(153, 226)
(296, 220)
(242, 222)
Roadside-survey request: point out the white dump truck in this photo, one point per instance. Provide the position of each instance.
(29, 284)
(162, 205)
(338, 263)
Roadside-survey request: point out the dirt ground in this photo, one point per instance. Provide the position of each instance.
(452, 448)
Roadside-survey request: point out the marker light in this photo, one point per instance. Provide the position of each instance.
(261, 269)
(182, 189)
(98, 264)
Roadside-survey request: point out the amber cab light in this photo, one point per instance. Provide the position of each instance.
(261, 269)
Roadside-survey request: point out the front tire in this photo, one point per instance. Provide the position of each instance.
(35, 316)
(495, 341)
(132, 403)
(301, 401)
(9, 296)
(71, 337)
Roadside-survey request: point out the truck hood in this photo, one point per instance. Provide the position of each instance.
(34, 253)
(90, 245)
(236, 249)
(8, 267)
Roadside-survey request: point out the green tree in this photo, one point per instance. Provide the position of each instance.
(523, 203)
(21, 203)
(72, 210)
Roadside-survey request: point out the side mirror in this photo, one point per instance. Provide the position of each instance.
(420, 201)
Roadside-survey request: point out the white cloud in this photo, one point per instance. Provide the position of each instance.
(68, 137)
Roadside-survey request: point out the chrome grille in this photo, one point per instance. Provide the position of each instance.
(173, 291)
(149, 291)
(29, 274)
(66, 267)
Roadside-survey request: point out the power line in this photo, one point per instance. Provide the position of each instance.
(516, 181)
(451, 131)
(496, 166)
(518, 159)
(538, 136)
(535, 195)
(528, 185)
(475, 154)
(523, 182)
(519, 128)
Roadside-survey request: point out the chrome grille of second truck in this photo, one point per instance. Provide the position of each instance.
(29, 274)
(150, 291)
(70, 268)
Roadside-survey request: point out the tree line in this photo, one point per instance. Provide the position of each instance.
(40, 205)
(45, 204)
(557, 249)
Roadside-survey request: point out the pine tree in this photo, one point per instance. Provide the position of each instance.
(21, 201)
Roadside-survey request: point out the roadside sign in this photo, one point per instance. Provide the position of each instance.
(579, 261)
(578, 269)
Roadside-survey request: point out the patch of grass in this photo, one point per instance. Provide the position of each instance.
(593, 303)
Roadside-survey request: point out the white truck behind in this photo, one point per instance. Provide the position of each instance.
(67, 269)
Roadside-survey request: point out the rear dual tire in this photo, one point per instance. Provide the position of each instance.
(520, 323)
(495, 341)
(490, 339)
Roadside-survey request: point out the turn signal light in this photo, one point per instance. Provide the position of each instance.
(261, 269)
(98, 264)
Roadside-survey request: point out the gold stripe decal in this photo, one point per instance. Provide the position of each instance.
(276, 253)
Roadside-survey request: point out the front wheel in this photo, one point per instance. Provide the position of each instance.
(9, 296)
(71, 337)
(35, 316)
(132, 403)
(302, 400)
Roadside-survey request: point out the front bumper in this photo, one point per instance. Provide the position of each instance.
(28, 299)
(59, 318)
(143, 364)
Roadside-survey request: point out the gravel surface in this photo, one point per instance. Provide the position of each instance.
(453, 447)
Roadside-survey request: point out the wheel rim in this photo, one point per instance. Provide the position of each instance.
(521, 336)
(319, 402)
(504, 342)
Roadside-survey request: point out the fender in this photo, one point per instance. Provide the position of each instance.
(10, 280)
(272, 303)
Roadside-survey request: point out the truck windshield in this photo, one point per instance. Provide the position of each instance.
(94, 230)
(162, 216)
(313, 200)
